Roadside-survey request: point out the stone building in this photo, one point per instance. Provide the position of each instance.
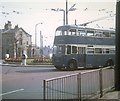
(15, 41)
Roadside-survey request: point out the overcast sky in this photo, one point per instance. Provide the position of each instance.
(27, 13)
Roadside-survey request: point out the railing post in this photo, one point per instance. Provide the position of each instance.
(44, 90)
(101, 83)
(79, 86)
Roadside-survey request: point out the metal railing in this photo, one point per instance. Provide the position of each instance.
(79, 86)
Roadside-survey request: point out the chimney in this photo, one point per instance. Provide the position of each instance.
(8, 25)
(16, 27)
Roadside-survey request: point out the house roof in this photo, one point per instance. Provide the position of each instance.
(14, 31)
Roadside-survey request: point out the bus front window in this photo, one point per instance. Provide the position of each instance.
(58, 33)
(58, 50)
(61, 32)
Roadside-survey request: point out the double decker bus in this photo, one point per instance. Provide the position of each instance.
(79, 46)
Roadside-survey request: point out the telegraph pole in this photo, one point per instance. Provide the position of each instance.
(117, 56)
(66, 12)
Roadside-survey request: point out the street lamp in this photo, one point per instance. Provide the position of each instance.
(63, 14)
(36, 33)
(65, 11)
(71, 9)
(41, 44)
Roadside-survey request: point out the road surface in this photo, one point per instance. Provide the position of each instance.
(27, 82)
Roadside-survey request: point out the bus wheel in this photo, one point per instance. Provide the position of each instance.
(72, 65)
(58, 68)
(109, 62)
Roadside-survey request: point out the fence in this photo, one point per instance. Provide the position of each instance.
(80, 85)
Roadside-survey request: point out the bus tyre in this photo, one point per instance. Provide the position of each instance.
(109, 62)
(72, 65)
(58, 68)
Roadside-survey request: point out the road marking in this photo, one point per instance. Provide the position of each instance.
(11, 92)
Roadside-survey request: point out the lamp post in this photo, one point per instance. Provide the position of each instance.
(63, 14)
(41, 44)
(71, 9)
(36, 33)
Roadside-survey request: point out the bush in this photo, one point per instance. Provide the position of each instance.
(42, 60)
(13, 60)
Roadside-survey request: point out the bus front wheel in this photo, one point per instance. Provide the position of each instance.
(58, 68)
(72, 65)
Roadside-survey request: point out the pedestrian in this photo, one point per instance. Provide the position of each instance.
(24, 58)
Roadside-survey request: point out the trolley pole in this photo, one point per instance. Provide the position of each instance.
(117, 56)
(66, 12)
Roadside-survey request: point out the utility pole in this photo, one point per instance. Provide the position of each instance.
(66, 12)
(59, 9)
(70, 9)
(117, 56)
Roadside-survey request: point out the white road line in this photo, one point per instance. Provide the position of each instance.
(11, 92)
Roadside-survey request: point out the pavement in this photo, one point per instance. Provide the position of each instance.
(112, 95)
(19, 65)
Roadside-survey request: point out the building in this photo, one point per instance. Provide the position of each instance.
(15, 41)
(47, 51)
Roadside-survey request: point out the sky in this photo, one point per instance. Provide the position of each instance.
(28, 13)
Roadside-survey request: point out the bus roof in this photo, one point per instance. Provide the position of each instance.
(67, 27)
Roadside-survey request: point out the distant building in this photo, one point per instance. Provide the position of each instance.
(15, 41)
(47, 50)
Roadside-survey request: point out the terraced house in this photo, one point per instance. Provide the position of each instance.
(15, 41)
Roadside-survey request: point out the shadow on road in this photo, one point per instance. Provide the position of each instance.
(38, 70)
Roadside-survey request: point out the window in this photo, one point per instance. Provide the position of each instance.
(68, 49)
(90, 50)
(106, 34)
(61, 32)
(82, 32)
(98, 33)
(65, 32)
(74, 49)
(106, 50)
(20, 42)
(98, 50)
(112, 51)
(90, 33)
(58, 33)
(27, 42)
(72, 32)
(60, 49)
(81, 50)
(7, 51)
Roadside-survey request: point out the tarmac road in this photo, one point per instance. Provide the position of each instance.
(27, 82)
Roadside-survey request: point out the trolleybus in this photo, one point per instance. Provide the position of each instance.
(79, 46)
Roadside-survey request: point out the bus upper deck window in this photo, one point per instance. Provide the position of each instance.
(58, 33)
(107, 50)
(72, 32)
(65, 32)
(90, 50)
(98, 50)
